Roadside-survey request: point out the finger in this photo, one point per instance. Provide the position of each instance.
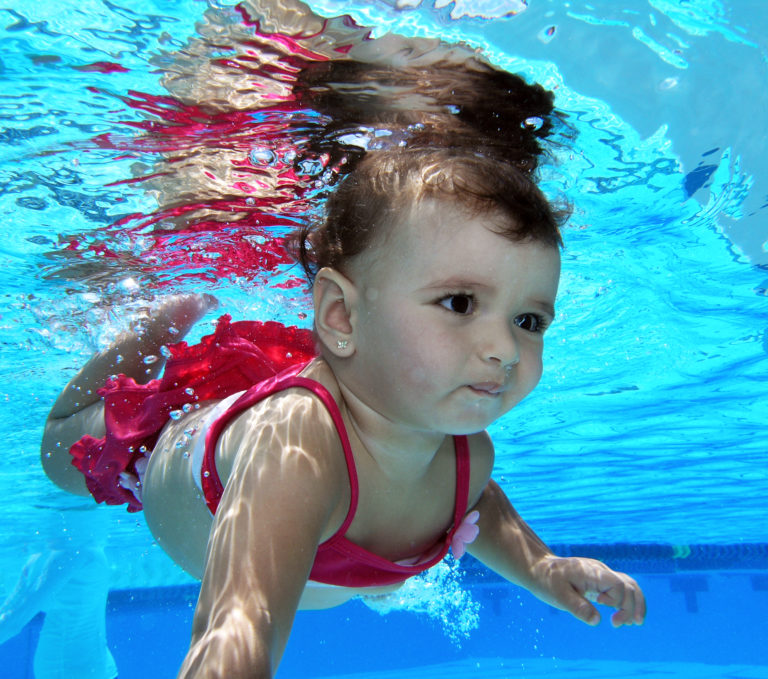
(579, 607)
(629, 600)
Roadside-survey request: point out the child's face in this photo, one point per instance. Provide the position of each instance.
(449, 335)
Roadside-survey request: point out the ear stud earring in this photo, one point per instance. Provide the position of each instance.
(342, 344)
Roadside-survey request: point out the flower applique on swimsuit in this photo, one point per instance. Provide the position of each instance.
(465, 534)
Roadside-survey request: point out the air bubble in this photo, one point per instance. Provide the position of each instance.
(186, 407)
(262, 156)
(310, 167)
(165, 351)
(176, 414)
(189, 391)
(119, 359)
(149, 360)
(533, 123)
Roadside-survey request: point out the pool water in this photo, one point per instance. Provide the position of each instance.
(645, 443)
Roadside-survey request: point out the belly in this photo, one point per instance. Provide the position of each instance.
(317, 595)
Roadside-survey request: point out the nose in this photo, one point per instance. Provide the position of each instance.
(501, 346)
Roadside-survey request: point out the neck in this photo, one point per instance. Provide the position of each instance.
(399, 451)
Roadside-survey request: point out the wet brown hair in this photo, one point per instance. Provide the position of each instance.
(395, 135)
(443, 103)
(386, 184)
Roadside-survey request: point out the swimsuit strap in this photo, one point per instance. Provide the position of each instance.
(461, 447)
(211, 482)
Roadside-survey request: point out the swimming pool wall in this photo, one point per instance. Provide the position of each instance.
(699, 618)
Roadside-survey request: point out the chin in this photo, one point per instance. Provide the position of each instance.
(467, 426)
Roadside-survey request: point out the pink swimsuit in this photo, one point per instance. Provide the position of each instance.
(339, 561)
(260, 359)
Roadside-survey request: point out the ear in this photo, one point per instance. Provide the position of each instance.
(335, 300)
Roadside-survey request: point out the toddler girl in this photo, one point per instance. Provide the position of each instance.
(290, 480)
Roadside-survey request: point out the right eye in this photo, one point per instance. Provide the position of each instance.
(459, 303)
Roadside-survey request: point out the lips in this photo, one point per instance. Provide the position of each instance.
(487, 388)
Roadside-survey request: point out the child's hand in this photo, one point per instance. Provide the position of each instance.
(571, 583)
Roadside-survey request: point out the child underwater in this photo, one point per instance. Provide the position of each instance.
(306, 468)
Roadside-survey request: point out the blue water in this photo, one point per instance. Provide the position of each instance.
(645, 443)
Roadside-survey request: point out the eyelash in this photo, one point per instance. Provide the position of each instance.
(541, 324)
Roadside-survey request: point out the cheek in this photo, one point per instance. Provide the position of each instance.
(418, 356)
(534, 368)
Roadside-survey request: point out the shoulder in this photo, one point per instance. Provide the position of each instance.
(290, 439)
(481, 453)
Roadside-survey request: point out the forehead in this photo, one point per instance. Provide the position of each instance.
(436, 238)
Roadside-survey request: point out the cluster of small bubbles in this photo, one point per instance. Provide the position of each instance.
(165, 351)
(150, 359)
(533, 123)
(438, 594)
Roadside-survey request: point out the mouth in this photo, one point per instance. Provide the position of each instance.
(491, 389)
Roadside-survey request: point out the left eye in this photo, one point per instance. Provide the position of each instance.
(529, 322)
(460, 304)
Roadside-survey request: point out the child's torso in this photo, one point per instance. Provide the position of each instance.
(393, 520)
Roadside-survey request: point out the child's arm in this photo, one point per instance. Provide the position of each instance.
(288, 491)
(507, 545)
